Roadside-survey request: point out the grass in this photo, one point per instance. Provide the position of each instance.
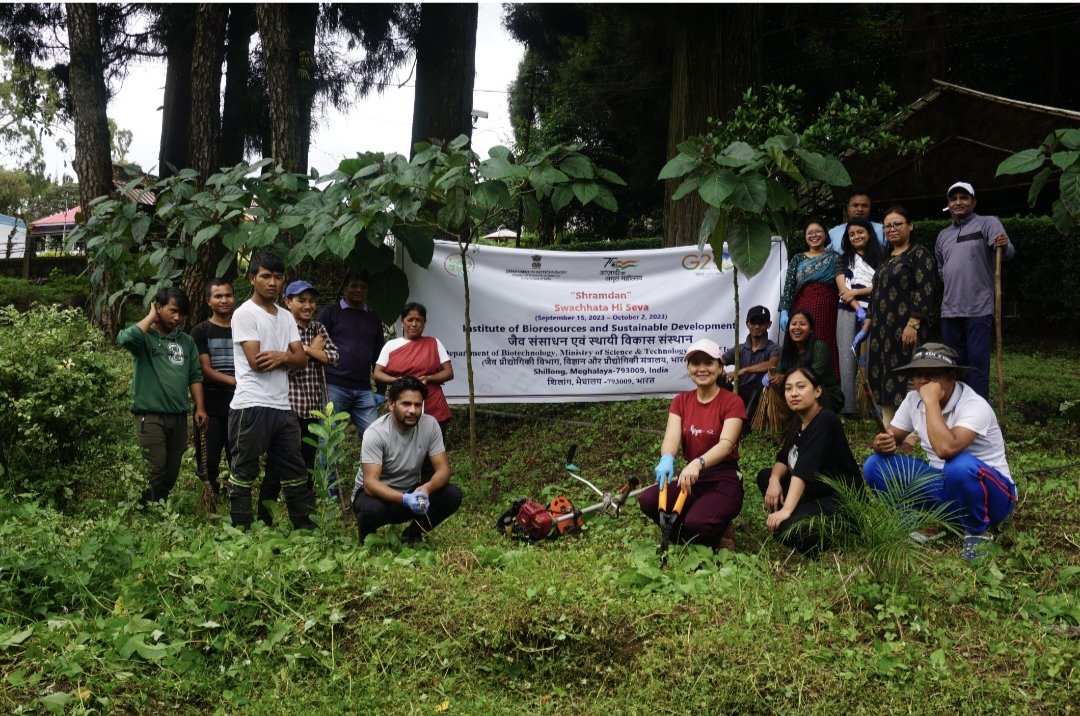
(115, 610)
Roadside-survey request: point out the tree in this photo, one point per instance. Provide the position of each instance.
(716, 53)
(29, 110)
(445, 66)
(1058, 155)
(92, 162)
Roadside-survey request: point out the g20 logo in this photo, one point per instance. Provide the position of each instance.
(694, 262)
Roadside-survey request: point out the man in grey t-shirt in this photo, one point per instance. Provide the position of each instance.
(965, 258)
(388, 487)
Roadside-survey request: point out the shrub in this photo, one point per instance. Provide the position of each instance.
(57, 289)
(63, 403)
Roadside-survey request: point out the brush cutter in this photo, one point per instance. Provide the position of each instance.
(668, 520)
(532, 520)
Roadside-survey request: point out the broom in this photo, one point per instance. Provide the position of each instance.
(208, 499)
(769, 416)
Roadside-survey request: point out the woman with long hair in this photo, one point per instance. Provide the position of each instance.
(814, 446)
(904, 290)
(802, 349)
(859, 258)
(810, 284)
(705, 423)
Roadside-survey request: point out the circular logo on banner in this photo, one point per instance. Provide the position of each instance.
(452, 264)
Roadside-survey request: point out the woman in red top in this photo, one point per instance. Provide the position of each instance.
(707, 423)
(421, 356)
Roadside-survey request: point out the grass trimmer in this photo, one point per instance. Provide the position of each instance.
(532, 520)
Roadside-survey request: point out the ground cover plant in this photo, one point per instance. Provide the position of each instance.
(108, 609)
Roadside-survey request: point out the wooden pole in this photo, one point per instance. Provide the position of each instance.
(999, 253)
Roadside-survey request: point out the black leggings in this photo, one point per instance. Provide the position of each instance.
(800, 530)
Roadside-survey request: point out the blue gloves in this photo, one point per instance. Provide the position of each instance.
(765, 380)
(784, 318)
(416, 501)
(665, 470)
(859, 338)
(860, 314)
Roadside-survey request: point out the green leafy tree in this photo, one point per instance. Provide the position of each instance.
(29, 110)
(1058, 156)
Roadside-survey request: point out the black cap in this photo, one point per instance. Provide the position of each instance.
(758, 314)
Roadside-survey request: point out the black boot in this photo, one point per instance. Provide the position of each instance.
(240, 507)
(300, 502)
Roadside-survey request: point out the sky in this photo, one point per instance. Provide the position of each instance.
(381, 122)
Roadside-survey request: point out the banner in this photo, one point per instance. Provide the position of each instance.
(561, 326)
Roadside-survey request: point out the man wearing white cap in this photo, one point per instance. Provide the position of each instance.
(965, 257)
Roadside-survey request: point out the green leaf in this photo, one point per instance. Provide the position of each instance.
(1037, 184)
(1070, 192)
(139, 227)
(610, 176)
(750, 193)
(784, 164)
(459, 142)
(686, 187)
(205, 234)
(784, 142)
(418, 242)
(1069, 138)
(692, 147)
(718, 186)
(425, 155)
(605, 199)
(585, 191)
(561, 197)
(1022, 162)
(14, 638)
(1064, 160)
(496, 168)
(679, 166)
(737, 154)
(825, 169)
(749, 243)
(388, 290)
(499, 151)
(708, 226)
(577, 166)
(531, 214)
(777, 197)
(492, 195)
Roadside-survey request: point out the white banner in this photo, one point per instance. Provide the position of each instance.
(561, 326)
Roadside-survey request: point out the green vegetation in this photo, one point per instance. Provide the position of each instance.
(106, 608)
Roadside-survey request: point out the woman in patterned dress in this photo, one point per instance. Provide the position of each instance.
(810, 284)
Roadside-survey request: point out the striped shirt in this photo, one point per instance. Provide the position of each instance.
(307, 386)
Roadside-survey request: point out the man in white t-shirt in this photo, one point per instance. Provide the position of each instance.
(389, 488)
(967, 472)
(266, 344)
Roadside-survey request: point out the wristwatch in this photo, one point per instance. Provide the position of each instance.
(701, 461)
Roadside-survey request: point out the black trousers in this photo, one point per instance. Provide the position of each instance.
(800, 530)
(372, 513)
(254, 432)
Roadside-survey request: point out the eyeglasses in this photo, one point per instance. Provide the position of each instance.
(894, 227)
(815, 232)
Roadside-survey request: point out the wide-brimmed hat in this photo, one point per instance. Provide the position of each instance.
(934, 356)
(705, 346)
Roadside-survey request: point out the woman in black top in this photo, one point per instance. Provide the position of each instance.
(814, 446)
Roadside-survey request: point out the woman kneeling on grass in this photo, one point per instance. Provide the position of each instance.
(814, 446)
(707, 422)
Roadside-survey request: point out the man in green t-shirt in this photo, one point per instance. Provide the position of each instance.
(166, 372)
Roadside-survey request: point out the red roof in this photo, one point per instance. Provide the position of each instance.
(61, 219)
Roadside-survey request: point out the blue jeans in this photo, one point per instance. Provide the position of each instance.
(359, 403)
(970, 338)
(980, 496)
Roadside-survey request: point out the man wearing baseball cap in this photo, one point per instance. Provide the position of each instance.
(966, 472)
(965, 258)
(757, 356)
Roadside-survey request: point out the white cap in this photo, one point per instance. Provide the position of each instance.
(960, 185)
(705, 346)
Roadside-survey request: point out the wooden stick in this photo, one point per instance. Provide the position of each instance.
(999, 253)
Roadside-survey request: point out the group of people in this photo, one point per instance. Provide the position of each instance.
(859, 280)
(259, 374)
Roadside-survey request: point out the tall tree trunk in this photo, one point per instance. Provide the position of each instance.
(241, 27)
(445, 69)
(176, 103)
(206, 59)
(282, 80)
(716, 56)
(89, 100)
(303, 18)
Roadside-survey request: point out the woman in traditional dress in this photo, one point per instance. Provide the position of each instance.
(904, 290)
(802, 349)
(810, 284)
(421, 356)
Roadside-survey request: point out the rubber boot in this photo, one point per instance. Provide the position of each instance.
(300, 503)
(240, 507)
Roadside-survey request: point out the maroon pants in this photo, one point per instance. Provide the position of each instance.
(709, 509)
